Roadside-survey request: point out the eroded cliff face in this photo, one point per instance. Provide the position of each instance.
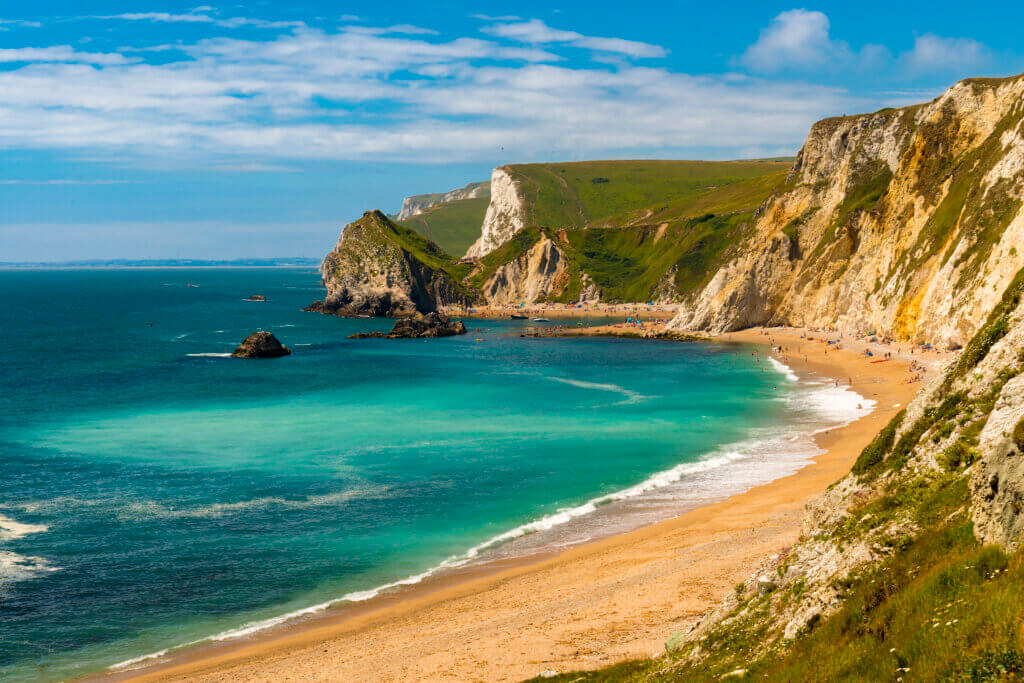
(536, 274)
(380, 269)
(953, 459)
(906, 222)
(506, 215)
(421, 202)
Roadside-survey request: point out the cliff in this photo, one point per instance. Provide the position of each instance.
(419, 203)
(904, 222)
(910, 563)
(379, 268)
(506, 214)
(589, 231)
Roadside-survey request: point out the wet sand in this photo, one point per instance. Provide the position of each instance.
(584, 608)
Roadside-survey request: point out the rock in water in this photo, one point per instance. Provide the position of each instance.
(260, 345)
(419, 326)
(257, 297)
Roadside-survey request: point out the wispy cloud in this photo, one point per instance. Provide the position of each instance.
(6, 24)
(935, 53)
(537, 32)
(800, 40)
(61, 53)
(384, 93)
(202, 15)
(486, 17)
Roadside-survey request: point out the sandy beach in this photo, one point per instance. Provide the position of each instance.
(589, 606)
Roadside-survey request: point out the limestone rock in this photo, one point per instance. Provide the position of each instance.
(506, 214)
(260, 345)
(417, 204)
(857, 240)
(419, 326)
(382, 269)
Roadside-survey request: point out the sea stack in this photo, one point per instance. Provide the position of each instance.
(419, 326)
(260, 345)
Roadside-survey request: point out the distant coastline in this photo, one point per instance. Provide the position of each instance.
(296, 262)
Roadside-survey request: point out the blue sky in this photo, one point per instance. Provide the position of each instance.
(161, 129)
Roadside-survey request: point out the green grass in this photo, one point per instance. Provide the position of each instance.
(566, 195)
(453, 226)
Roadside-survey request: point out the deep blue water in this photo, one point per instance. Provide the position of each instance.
(151, 497)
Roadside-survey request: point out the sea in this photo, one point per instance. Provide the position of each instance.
(156, 493)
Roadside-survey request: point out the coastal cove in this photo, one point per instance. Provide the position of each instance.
(126, 474)
(588, 606)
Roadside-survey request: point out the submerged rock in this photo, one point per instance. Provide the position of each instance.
(418, 326)
(260, 345)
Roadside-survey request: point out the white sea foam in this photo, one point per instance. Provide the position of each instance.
(213, 510)
(15, 567)
(209, 355)
(631, 396)
(10, 529)
(784, 369)
(835, 406)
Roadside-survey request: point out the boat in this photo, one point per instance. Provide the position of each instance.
(520, 316)
(541, 320)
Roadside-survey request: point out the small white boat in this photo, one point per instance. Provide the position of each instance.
(541, 320)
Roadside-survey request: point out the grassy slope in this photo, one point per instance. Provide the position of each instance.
(619, 192)
(453, 226)
(425, 251)
(691, 234)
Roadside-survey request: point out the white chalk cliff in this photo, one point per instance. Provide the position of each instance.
(506, 214)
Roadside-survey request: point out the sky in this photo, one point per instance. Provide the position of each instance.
(140, 129)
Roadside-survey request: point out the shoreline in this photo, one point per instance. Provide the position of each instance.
(713, 550)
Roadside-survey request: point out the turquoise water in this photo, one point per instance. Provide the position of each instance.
(153, 494)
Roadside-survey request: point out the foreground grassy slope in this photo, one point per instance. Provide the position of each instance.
(453, 226)
(616, 193)
(944, 607)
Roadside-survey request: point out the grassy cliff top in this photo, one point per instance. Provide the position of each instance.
(454, 226)
(612, 192)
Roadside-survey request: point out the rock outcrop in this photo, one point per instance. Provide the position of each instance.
(907, 222)
(953, 456)
(419, 326)
(260, 345)
(534, 275)
(421, 202)
(382, 269)
(506, 214)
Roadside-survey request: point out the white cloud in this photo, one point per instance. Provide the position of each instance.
(60, 53)
(800, 40)
(162, 17)
(934, 53)
(201, 15)
(536, 32)
(313, 94)
(797, 39)
(486, 17)
(5, 24)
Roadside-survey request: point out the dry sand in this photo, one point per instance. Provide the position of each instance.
(585, 608)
